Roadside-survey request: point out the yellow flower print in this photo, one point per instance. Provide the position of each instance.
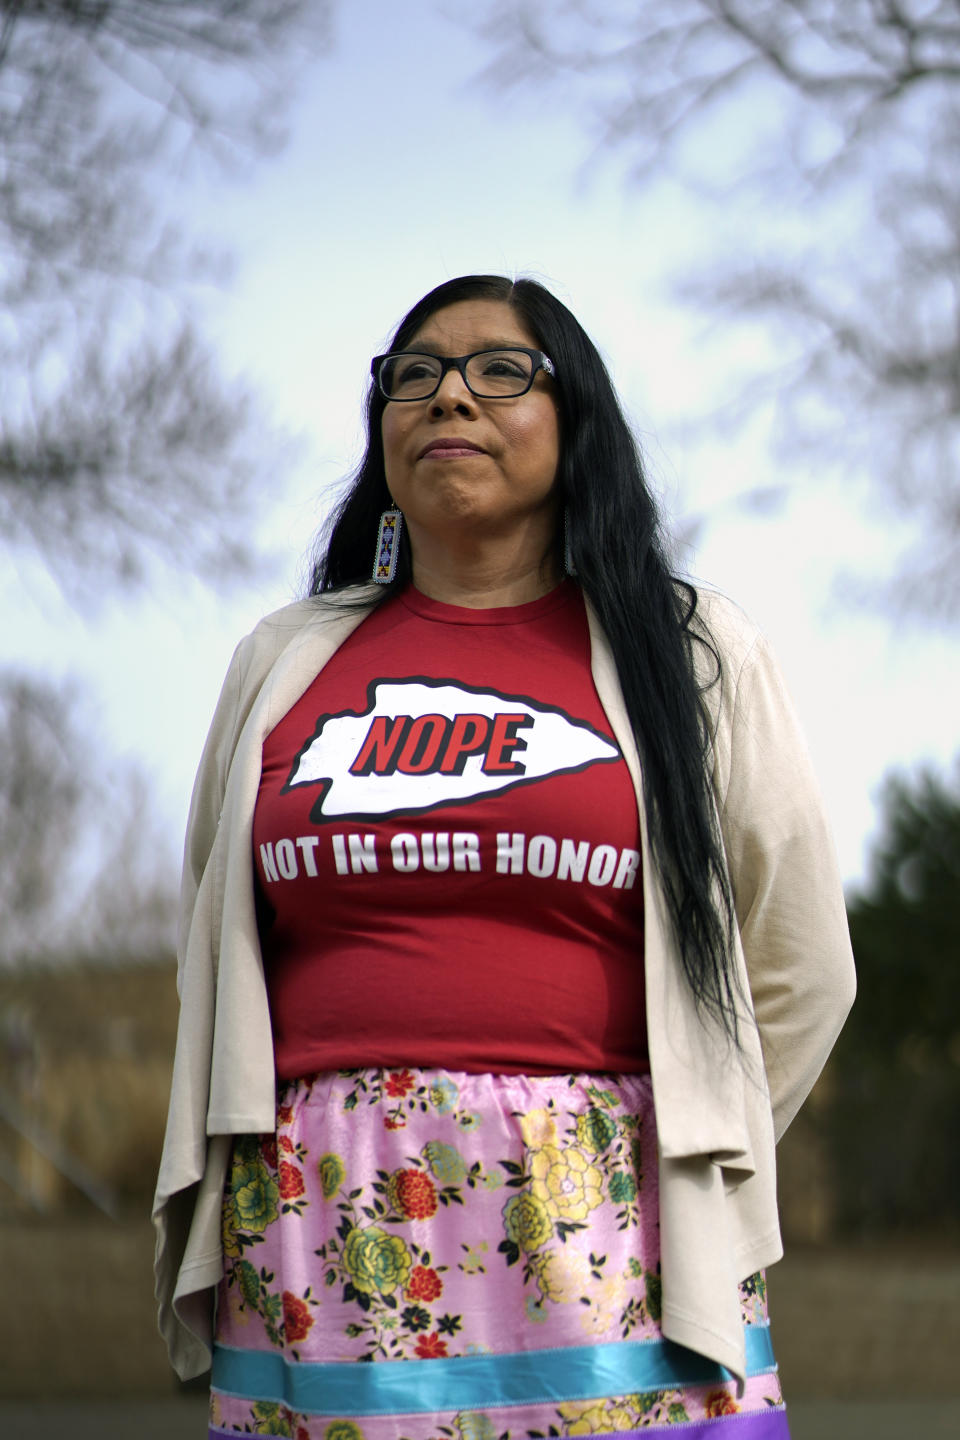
(612, 1290)
(255, 1196)
(342, 1430)
(228, 1231)
(592, 1421)
(250, 1204)
(596, 1130)
(526, 1222)
(607, 1299)
(597, 1419)
(566, 1182)
(475, 1425)
(538, 1128)
(575, 1409)
(562, 1275)
(332, 1173)
(375, 1260)
(237, 1306)
(270, 1417)
(596, 1321)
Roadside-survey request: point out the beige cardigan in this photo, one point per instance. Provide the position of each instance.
(718, 1112)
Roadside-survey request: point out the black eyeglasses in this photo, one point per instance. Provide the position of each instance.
(488, 374)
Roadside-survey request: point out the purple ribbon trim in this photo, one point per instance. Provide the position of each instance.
(756, 1425)
(770, 1424)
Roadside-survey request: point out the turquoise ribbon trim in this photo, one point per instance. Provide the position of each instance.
(475, 1382)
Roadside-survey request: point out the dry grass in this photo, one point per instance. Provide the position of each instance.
(873, 1322)
(85, 1055)
(85, 1323)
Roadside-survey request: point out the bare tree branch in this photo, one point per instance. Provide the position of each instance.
(119, 443)
(846, 114)
(141, 457)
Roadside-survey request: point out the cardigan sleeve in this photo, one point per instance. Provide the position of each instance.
(185, 1321)
(785, 878)
(207, 798)
(248, 669)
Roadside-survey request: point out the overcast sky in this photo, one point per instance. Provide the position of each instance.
(402, 172)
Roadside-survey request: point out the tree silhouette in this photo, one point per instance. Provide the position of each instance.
(120, 441)
(836, 122)
(897, 1064)
(906, 922)
(84, 870)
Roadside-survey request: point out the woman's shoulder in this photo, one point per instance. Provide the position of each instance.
(725, 628)
(745, 695)
(271, 635)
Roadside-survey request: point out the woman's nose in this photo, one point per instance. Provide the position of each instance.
(452, 394)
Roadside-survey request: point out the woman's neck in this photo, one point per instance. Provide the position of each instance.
(485, 572)
(486, 587)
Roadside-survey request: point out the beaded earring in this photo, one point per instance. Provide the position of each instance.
(388, 547)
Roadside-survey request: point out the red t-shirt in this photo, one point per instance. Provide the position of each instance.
(447, 853)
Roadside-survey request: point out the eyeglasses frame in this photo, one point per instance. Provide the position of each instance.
(460, 362)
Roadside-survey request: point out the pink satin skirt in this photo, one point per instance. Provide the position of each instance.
(428, 1255)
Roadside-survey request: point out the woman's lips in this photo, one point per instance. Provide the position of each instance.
(450, 449)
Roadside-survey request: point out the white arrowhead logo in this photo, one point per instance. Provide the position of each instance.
(423, 743)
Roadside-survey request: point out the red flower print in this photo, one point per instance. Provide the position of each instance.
(286, 1145)
(284, 1114)
(291, 1181)
(399, 1082)
(412, 1194)
(268, 1149)
(431, 1347)
(395, 1122)
(720, 1402)
(297, 1319)
(424, 1284)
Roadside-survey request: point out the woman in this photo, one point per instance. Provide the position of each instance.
(512, 938)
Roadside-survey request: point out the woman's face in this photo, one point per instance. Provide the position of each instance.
(498, 476)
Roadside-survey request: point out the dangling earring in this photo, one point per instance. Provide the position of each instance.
(568, 564)
(388, 547)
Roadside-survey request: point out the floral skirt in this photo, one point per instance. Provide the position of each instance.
(488, 1244)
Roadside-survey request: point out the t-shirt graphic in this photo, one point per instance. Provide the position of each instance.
(423, 743)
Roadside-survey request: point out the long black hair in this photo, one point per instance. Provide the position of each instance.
(647, 613)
